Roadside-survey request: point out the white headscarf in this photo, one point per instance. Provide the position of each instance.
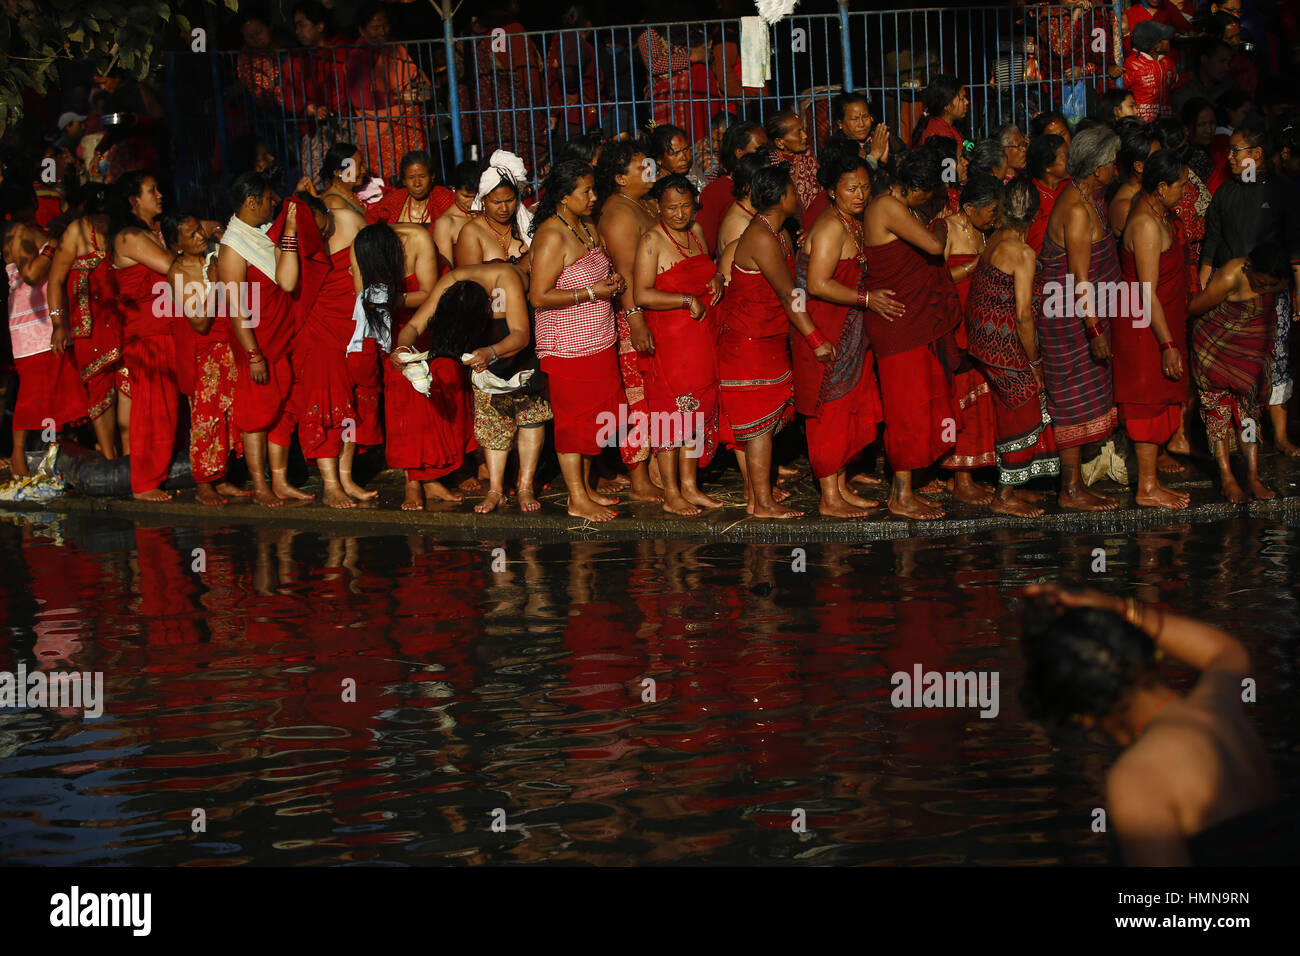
(504, 167)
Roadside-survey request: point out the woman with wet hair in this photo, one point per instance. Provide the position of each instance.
(946, 104)
(1073, 334)
(761, 304)
(1230, 346)
(1193, 785)
(572, 287)
(1150, 365)
(1045, 163)
(1001, 324)
(741, 213)
(1137, 141)
(670, 148)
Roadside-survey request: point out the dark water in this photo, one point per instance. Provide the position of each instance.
(522, 690)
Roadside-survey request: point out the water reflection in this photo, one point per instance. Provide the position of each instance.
(366, 699)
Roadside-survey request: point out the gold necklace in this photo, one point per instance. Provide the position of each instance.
(589, 242)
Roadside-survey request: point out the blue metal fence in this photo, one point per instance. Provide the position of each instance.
(460, 97)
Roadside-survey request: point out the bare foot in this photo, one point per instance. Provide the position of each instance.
(645, 491)
(764, 511)
(491, 501)
(1158, 496)
(863, 478)
(858, 501)
(697, 497)
(936, 487)
(154, 494)
(207, 495)
(603, 500)
(471, 483)
(916, 506)
(1260, 490)
(413, 500)
(612, 486)
(1288, 449)
(18, 466)
(972, 491)
(840, 509)
(283, 489)
(591, 511)
(677, 505)
(232, 491)
(1085, 499)
(786, 471)
(1168, 465)
(1234, 492)
(355, 491)
(338, 498)
(528, 501)
(1178, 444)
(779, 495)
(436, 490)
(267, 499)
(1011, 503)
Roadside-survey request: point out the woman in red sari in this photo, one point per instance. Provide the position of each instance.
(1150, 349)
(676, 286)
(1001, 328)
(761, 304)
(142, 262)
(840, 399)
(386, 88)
(83, 313)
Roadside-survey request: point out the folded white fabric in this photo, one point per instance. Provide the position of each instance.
(415, 366)
(489, 383)
(755, 53)
(504, 166)
(377, 295)
(252, 243)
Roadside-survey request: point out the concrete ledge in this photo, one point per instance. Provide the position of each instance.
(647, 520)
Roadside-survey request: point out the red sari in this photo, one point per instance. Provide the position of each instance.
(328, 402)
(94, 325)
(206, 372)
(976, 420)
(1150, 405)
(681, 378)
(840, 399)
(757, 379)
(150, 351)
(426, 435)
(915, 388)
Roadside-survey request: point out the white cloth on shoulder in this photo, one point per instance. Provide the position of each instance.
(252, 243)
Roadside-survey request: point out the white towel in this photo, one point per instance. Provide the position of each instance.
(504, 166)
(755, 52)
(377, 295)
(252, 243)
(489, 383)
(415, 366)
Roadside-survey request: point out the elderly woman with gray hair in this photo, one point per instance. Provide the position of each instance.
(1078, 261)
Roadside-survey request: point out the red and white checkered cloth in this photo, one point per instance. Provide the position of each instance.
(577, 331)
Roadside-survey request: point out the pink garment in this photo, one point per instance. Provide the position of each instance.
(29, 316)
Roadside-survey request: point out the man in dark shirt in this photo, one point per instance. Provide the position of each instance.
(1251, 208)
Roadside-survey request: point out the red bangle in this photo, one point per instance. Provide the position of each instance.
(1166, 346)
(815, 339)
(863, 298)
(1093, 331)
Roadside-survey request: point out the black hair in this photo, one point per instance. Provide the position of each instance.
(509, 183)
(1085, 661)
(721, 120)
(1164, 166)
(746, 167)
(676, 181)
(1085, 123)
(838, 163)
(1169, 132)
(774, 126)
(1228, 102)
(945, 146)
(1108, 103)
(769, 185)
(841, 102)
(314, 12)
(735, 139)
(613, 163)
(415, 157)
(1018, 203)
(335, 157)
(561, 181)
(982, 190)
(94, 199)
(249, 185)
(170, 226)
(466, 175)
(1270, 259)
(381, 263)
(461, 319)
(941, 91)
(368, 10)
(1135, 142)
(1194, 108)
(17, 195)
(1042, 153)
(1039, 123)
(661, 138)
(1253, 132)
(314, 203)
(921, 170)
(583, 147)
(127, 187)
(1209, 46)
